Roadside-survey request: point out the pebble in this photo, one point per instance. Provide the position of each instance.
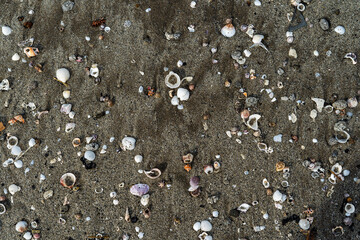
(340, 30)
(292, 53)
(340, 104)
(324, 24)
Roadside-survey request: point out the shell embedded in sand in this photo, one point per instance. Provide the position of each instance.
(62, 74)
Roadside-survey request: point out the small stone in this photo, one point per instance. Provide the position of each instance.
(67, 6)
(48, 194)
(324, 24)
(340, 104)
(292, 53)
(277, 138)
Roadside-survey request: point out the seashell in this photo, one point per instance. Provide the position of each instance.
(197, 226)
(68, 180)
(348, 221)
(257, 3)
(259, 228)
(194, 182)
(243, 207)
(346, 173)
(65, 108)
(69, 127)
(280, 166)
(48, 194)
(6, 30)
(32, 142)
(337, 168)
(153, 173)
(76, 142)
(16, 150)
(215, 214)
(228, 30)
(208, 237)
(216, 165)
(15, 57)
(18, 164)
(66, 94)
(21, 226)
(188, 158)
(62, 74)
(319, 103)
(175, 101)
(245, 114)
(170, 84)
(89, 155)
(92, 146)
(277, 138)
(138, 158)
(195, 193)
(28, 236)
(313, 114)
(94, 71)
(340, 30)
(352, 102)
(300, 7)
(265, 183)
(2, 209)
(128, 143)
(352, 57)
(340, 104)
(253, 121)
(304, 224)
(349, 208)
(139, 189)
(36, 236)
(146, 213)
(5, 85)
(145, 199)
(183, 94)
(292, 53)
(328, 109)
(205, 226)
(127, 215)
(208, 169)
(277, 196)
(257, 38)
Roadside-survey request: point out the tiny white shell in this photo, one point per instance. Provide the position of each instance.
(145, 199)
(115, 202)
(193, 4)
(6, 30)
(13, 189)
(349, 208)
(138, 158)
(266, 216)
(128, 143)
(346, 173)
(205, 226)
(277, 196)
(247, 53)
(15, 57)
(113, 194)
(62, 74)
(243, 207)
(265, 183)
(304, 224)
(183, 94)
(175, 101)
(208, 237)
(21, 226)
(257, 38)
(340, 30)
(15, 150)
(197, 226)
(228, 30)
(27, 235)
(18, 164)
(94, 71)
(215, 214)
(66, 94)
(32, 142)
(257, 3)
(89, 155)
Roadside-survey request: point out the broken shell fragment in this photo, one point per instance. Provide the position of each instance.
(228, 30)
(21, 226)
(76, 142)
(280, 166)
(175, 101)
(68, 180)
(138, 158)
(188, 158)
(15, 57)
(243, 207)
(352, 57)
(128, 143)
(94, 71)
(208, 169)
(172, 84)
(265, 183)
(194, 182)
(145, 199)
(352, 102)
(319, 103)
(340, 30)
(278, 196)
(6, 30)
(66, 94)
(349, 208)
(139, 189)
(27, 236)
(62, 74)
(153, 173)
(253, 121)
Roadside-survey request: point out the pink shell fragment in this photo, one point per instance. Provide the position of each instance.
(139, 189)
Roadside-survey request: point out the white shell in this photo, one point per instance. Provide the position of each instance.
(215, 214)
(243, 207)
(32, 142)
(28, 235)
(277, 138)
(62, 74)
(197, 226)
(94, 71)
(115, 202)
(205, 226)
(15, 150)
(175, 101)
(183, 94)
(259, 228)
(145, 199)
(18, 164)
(113, 194)
(138, 158)
(336, 168)
(266, 216)
(71, 114)
(69, 127)
(253, 121)
(277, 196)
(6, 30)
(89, 155)
(292, 53)
(128, 143)
(66, 94)
(349, 208)
(257, 38)
(208, 237)
(228, 30)
(257, 3)
(15, 57)
(65, 108)
(319, 103)
(304, 224)
(21, 226)
(172, 85)
(340, 30)
(265, 183)
(346, 173)
(13, 189)
(247, 53)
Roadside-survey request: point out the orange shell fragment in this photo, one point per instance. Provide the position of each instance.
(2, 127)
(280, 166)
(187, 167)
(19, 118)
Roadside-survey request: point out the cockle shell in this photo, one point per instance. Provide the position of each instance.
(128, 143)
(21, 226)
(175, 101)
(139, 189)
(205, 226)
(6, 30)
(257, 38)
(228, 30)
(183, 94)
(62, 74)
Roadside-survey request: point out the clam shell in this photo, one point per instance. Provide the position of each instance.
(15, 150)
(145, 199)
(340, 30)
(139, 189)
(89, 155)
(6, 30)
(175, 101)
(128, 143)
(228, 30)
(243, 207)
(304, 224)
(15, 57)
(21, 226)
(68, 180)
(194, 182)
(197, 226)
(183, 94)
(18, 164)
(62, 74)
(253, 121)
(205, 226)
